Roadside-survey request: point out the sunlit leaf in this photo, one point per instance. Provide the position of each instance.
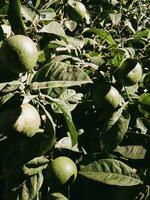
(115, 18)
(104, 35)
(110, 171)
(53, 28)
(47, 15)
(142, 124)
(132, 151)
(35, 166)
(28, 13)
(59, 74)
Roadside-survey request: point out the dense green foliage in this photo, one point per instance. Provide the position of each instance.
(89, 85)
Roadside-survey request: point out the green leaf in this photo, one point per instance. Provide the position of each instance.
(53, 28)
(28, 13)
(6, 31)
(31, 186)
(71, 25)
(35, 165)
(47, 140)
(114, 130)
(132, 151)
(68, 117)
(104, 35)
(97, 60)
(63, 57)
(129, 25)
(55, 84)
(75, 42)
(47, 15)
(136, 43)
(59, 74)
(4, 8)
(56, 196)
(110, 171)
(143, 124)
(61, 71)
(143, 34)
(10, 86)
(72, 130)
(65, 143)
(118, 56)
(71, 98)
(70, 95)
(115, 18)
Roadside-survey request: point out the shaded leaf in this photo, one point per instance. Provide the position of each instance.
(5, 98)
(68, 117)
(3, 8)
(64, 57)
(136, 43)
(56, 196)
(133, 138)
(114, 130)
(47, 140)
(72, 129)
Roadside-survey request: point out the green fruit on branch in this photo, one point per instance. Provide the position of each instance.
(129, 72)
(18, 54)
(144, 104)
(61, 171)
(106, 97)
(23, 120)
(76, 10)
